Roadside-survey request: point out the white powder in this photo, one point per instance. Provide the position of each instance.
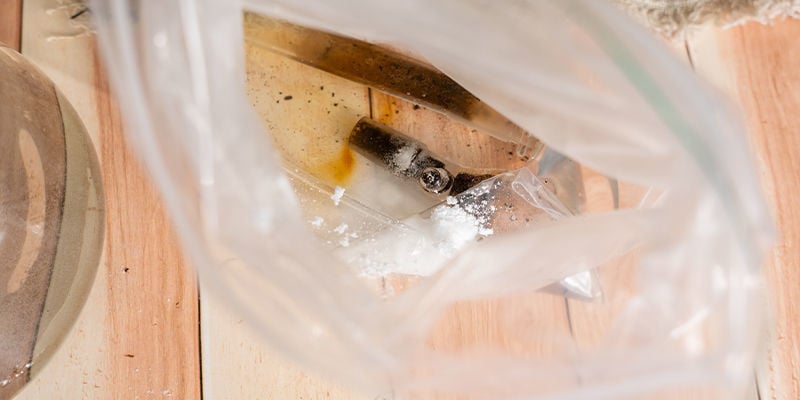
(341, 228)
(338, 192)
(394, 251)
(344, 241)
(419, 246)
(451, 201)
(453, 228)
(317, 221)
(404, 156)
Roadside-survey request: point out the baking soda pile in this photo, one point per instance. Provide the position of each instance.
(419, 245)
(454, 226)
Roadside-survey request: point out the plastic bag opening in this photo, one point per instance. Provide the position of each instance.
(679, 266)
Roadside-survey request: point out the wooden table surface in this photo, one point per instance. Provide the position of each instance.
(139, 336)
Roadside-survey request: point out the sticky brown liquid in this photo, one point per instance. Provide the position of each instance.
(308, 113)
(338, 171)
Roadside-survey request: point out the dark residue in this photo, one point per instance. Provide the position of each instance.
(79, 13)
(380, 143)
(385, 70)
(464, 181)
(289, 97)
(417, 107)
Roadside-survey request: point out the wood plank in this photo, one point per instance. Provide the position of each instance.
(759, 67)
(11, 23)
(152, 294)
(239, 364)
(138, 335)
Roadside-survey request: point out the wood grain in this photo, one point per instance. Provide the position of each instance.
(138, 337)
(238, 364)
(152, 296)
(759, 67)
(11, 23)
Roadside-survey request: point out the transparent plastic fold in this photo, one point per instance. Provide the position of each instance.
(587, 81)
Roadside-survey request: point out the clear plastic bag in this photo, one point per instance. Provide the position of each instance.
(583, 79)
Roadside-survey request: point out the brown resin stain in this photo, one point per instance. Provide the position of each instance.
(338, 171)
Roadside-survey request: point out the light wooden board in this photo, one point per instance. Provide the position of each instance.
(238, 364)
(758, 66)
(137, 337)
(10, 23)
